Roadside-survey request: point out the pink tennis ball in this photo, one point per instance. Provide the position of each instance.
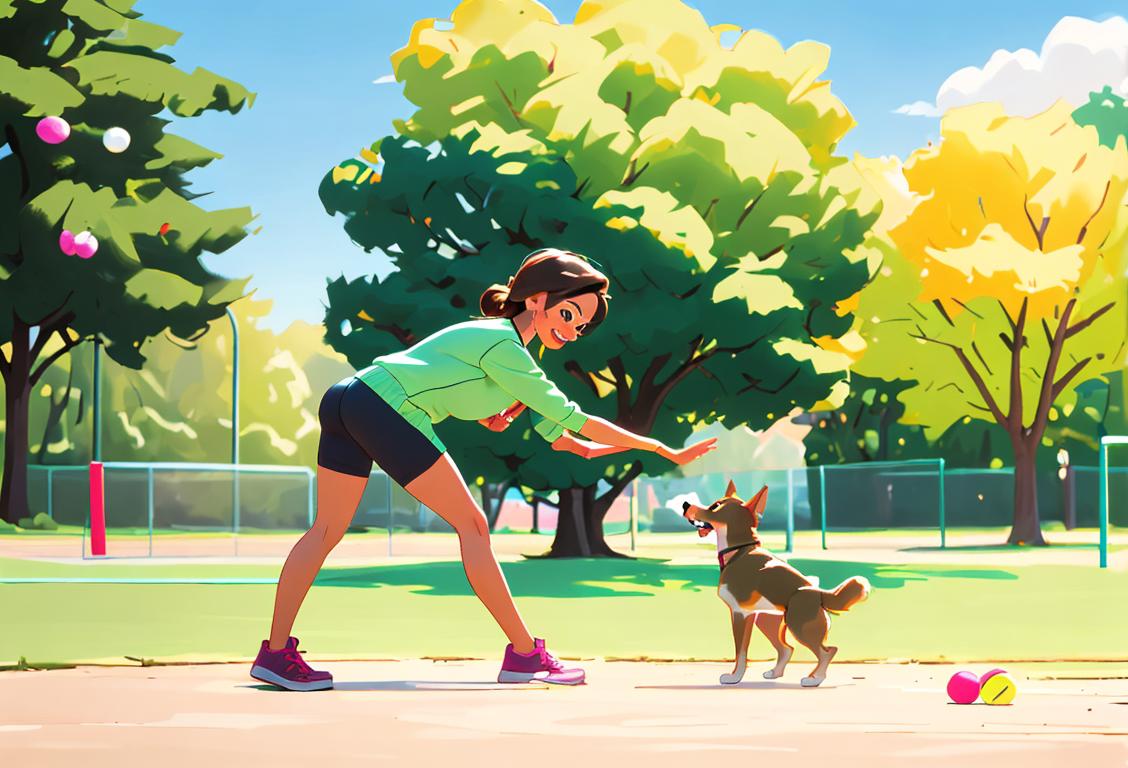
(85, 245)
(66, 242)
(52, 130)
(963, 688)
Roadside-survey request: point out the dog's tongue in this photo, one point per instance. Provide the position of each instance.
(702, 532)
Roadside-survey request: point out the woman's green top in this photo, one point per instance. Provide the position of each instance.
(470, 371)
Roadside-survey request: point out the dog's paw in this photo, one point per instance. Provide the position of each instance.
(729, 678)
(811, 682)
(773, 674)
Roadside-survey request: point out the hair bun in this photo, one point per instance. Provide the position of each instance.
(495, 300)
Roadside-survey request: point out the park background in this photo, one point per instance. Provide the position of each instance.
(825, 232)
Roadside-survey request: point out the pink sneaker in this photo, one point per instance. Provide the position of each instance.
(540, 665)
(287, 669)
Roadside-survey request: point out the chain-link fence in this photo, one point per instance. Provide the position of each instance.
(170, 510)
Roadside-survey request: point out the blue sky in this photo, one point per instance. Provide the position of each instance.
(312, 66)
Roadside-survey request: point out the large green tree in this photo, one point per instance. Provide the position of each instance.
(674, 351)
(98, 66)
(715, 164)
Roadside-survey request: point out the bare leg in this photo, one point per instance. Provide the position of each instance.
(338, 495)
(771, 624)
(442, 489)
(741, 633)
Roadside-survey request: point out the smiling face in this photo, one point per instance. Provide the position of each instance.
(564, 321)
(735, 521)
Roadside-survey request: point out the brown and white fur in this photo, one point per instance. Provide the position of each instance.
(762, 590)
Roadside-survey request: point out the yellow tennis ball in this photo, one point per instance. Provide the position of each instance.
(998, 689)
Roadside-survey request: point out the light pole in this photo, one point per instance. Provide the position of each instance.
(97, 399)
(234, 424)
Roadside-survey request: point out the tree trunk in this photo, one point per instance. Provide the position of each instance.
(579, 522)
(17, 394)
(493, 494)
(55, 413)
(572, 536)
(1027, 529)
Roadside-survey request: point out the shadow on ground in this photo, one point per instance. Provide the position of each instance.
(615, 578)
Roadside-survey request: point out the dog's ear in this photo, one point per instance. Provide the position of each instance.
(731, 490)
(751, 505)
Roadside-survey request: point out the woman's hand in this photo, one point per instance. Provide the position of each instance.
(500, 422)
(689, 453)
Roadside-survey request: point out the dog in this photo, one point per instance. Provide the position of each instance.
(760, 589)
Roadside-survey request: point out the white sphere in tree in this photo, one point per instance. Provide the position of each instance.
(116, 140)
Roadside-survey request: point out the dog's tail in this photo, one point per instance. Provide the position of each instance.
(846, 595)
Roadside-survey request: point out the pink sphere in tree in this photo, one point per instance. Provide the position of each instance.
(66, 242)
(85, 245)
(52, 130)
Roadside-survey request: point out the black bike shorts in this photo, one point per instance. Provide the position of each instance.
(358, 428)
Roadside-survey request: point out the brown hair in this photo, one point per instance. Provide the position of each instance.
(560, 274)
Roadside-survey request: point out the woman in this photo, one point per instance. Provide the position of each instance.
(385, 414)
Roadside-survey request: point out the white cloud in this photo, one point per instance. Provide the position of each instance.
(384, 79)
(918, 109)
(1079, 56)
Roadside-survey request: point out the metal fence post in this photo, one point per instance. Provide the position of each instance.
(943, 516)
(150, 505)
(50, 500)
(790, 511)
(822, 496)
(1102, 501)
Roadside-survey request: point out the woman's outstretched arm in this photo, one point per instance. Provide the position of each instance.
(585, 448)
(602, 431)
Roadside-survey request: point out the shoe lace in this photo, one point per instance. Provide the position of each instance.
(295, 661)
(550, 662)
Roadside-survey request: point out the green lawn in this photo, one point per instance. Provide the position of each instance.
(586, 608)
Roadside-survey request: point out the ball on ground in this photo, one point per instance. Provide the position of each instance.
(997, 688)
(963, 688)
(52, 130)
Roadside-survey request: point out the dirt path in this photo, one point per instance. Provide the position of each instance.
(423, 713)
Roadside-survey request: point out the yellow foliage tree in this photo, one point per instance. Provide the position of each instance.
(1003, 282)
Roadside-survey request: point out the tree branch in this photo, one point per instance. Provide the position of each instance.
(748, 209)
(54, 322)
(975, 349)
(1085, 226)
(755, 384)
(633, 174)
(1046, 396)
(1016, 363)
(622, 390)
(976, 379)
(1081, 325)
(943, 312)
(618, 486)
(1038, 233)
(1063, 382)
(576, 371)
(68, 345)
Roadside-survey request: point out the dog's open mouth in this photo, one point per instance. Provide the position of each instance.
(702, 528)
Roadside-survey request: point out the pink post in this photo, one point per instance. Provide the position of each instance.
(97, 510)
